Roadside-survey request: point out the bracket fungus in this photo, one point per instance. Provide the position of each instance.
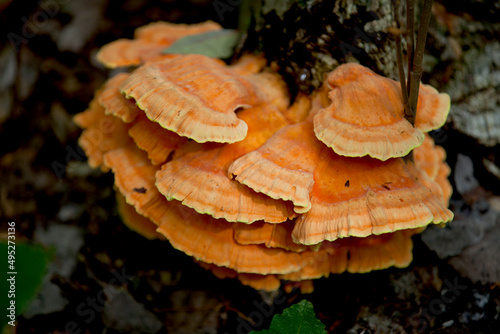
(366, 115)
(338, 196)
(148, 43)
(194, 96)
(199, 180)
(213, 158)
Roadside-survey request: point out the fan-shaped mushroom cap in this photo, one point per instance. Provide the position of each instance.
(194, 96)
(366, 116)
(102, 133)
(149, 42)
(199, 179)
(364, 196)
(432, 108)
(115, 103)
(155, 140)
(135, 221)
(134, 178)
(283, 167)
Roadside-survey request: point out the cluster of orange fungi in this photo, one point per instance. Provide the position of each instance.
(214, 158)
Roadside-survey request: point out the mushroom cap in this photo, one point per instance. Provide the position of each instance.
(366, 116)
(282, 167)
(365, 196)
(155, 140)
(199, 179)
(149, 42)
(114, 103)
(102, 133)
(135, 221)
(194, 96)
(134, 178)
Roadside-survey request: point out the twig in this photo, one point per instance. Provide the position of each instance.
(416, 69)
(410, 36)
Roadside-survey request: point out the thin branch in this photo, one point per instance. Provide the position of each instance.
(402, 77)
(416, 69)
(410, 36)
(399, 56)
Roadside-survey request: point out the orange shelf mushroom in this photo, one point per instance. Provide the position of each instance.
(199, 179)
(339, 196)
(194, 96)
(366, 115)
(113, 102)
(258, 194)
(148, 43)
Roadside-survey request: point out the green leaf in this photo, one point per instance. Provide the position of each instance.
(216, 44)
(30, 265)
(297, 319)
